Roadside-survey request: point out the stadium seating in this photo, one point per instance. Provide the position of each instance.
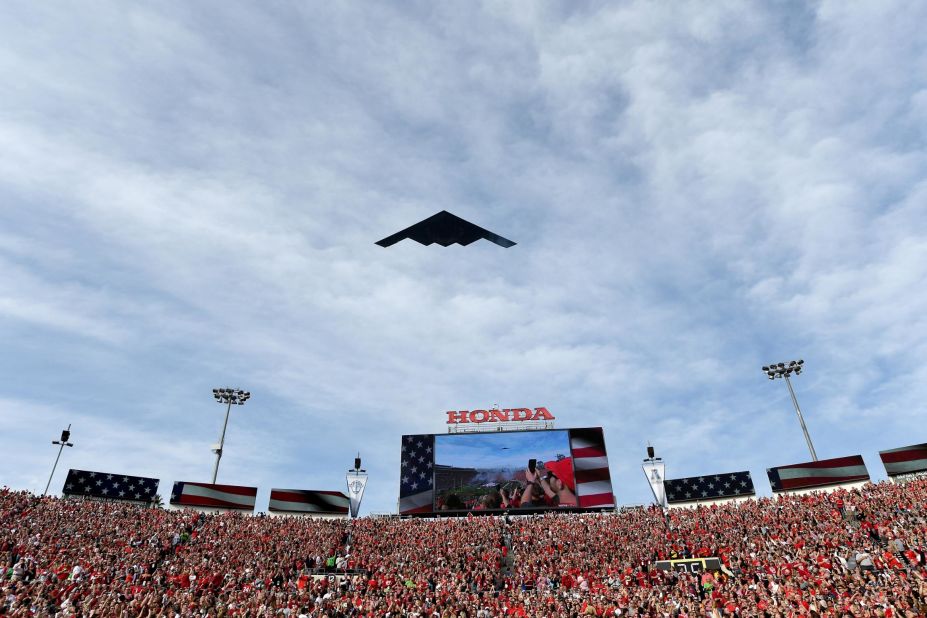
(856, 553)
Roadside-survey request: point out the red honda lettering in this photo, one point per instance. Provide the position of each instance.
(456, 417)
(499, 416)
(483, 416)
(541, 414)
(521, 414)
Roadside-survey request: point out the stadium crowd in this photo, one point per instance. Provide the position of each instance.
(844, 553)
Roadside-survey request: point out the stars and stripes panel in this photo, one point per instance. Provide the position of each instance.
(709, 487)
(416, 474)
(590, 468)
(214, 496)
(822, 473)
(110, 486)
(307, 501)
(904, 460)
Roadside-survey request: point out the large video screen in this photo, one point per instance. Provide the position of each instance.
(504, 471)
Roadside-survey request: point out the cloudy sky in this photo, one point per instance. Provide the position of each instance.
(190, 196)
(500, 450)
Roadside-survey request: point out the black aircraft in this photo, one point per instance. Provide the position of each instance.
(445, 229)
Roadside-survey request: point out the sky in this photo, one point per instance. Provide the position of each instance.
(500, 450)
(190, 194)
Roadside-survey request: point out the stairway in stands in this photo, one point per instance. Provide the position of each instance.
(508, 561)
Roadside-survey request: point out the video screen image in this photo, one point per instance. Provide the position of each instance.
(505, 470)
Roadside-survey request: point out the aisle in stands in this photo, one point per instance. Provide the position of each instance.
(858, 553)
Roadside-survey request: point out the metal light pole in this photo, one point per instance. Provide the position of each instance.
(781, 370)
(65, 436)
(227, 396)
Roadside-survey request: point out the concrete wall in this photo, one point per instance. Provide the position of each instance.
(206, 509)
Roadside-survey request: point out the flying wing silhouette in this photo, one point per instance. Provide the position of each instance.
(445, 229)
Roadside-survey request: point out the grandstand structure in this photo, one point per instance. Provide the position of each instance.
(828, 543)
(859, 552)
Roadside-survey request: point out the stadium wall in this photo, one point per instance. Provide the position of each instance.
(209, 510)
(696, 503)
(825, 489)
(308, 515)
(901, 479)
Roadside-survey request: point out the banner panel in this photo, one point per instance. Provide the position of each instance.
(416, 475)
(904, 460)
(209, 495)
(110, 486)
(307, 501)
(821, 473)
(709, 487)
(357, 483)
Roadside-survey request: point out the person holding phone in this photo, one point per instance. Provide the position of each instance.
(511, 496)
(551, 485)
(534, 496)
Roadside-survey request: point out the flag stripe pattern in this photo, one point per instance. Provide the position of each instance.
(590, 468)
(219, 496)
(416, 474)
(709, 487)
(820, 473)
(905, 459)
(307, 501)
(110, 486)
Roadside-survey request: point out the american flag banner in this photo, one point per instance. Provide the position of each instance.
(213, 496)
(709, 487)
(818, 473)
(307, 501)
(904, 460)
(590, 468)
(416, 474)
(110, 486)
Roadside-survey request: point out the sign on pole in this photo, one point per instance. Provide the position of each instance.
(357, 482)
(654, 470)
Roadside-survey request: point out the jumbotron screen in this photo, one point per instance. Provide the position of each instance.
(510, 470)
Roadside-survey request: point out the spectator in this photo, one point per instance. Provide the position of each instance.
(847, 553)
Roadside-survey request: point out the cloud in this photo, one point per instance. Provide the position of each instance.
(191, 198)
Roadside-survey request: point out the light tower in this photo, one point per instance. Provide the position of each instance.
(63, 442)
(227, 396)
(783, 370)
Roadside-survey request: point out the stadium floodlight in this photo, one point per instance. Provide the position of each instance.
(228, 396)
(63, 442)
(785, 370)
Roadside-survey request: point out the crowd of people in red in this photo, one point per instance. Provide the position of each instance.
(845, 553)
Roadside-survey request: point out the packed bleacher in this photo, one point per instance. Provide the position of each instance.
(845, 553)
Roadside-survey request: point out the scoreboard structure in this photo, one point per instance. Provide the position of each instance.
(499, 471)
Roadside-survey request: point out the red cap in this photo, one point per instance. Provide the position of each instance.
(563, 470)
